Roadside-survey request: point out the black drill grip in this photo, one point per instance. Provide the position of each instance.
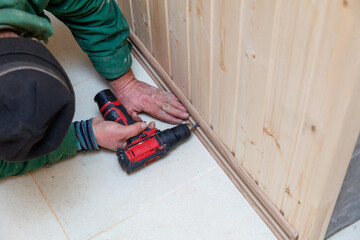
(106, 100)
(112, 110)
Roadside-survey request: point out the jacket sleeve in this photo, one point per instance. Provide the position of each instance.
(101, 31)
(67, 149)
(26, 17)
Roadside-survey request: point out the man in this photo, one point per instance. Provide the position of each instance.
(37, 99)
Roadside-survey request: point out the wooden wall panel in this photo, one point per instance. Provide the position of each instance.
(278, 82)
(199, 45)
(159, 32)
(299, 26)
(142, 22)
(225, 48)
(257, 40)
(178, 44)
(330, 122)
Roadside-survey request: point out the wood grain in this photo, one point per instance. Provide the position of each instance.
(330, 122)
(200, 54)
(266, 210)
(254, 66)
(178, 44)
(226, 43)
(159, 32)
(278, 82)
(142, 22)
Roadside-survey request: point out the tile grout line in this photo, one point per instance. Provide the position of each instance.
(49, 205)
(155, 202)
(85, 80)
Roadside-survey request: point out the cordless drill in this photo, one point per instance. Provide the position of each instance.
(149, 145)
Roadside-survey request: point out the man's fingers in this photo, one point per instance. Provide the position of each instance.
(169, 109)
(174, 111)
(170, 119)
(163, 116)
(173, 100)
(134, 129)
(151, 125)
(178, 105)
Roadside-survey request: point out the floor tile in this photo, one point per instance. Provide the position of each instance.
(64, 47)
(91, 192)
(351, 232)
(24, 212)
(182, 196)
(210, 208)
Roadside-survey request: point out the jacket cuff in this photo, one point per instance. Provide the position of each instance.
(114, 66)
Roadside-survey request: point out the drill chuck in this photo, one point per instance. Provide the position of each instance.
(173, 136)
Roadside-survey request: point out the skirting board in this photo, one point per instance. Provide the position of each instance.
(226, 160)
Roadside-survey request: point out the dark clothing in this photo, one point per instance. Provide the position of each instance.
(37, 101)
(99, 28)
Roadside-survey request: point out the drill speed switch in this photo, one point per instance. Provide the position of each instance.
(149, 145)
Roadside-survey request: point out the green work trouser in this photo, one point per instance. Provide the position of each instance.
(67, 149)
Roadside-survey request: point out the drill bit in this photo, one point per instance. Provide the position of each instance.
(192, 128)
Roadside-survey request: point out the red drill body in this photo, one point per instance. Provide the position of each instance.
(146, 147)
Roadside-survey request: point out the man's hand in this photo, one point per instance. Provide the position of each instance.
(112, 135)
(139, 97)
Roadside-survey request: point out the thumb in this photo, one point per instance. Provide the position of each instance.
(134, 129)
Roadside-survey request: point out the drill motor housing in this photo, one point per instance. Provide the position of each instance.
(149, 145)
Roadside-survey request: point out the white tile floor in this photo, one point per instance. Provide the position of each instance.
(183, 196)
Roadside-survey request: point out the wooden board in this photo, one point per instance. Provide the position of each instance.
(159, 32)
(330, 121)
(226, 46)
(277, 82)
(178, 44)
(200, 54)
(266, 210)
(254, 67)
(141, 21)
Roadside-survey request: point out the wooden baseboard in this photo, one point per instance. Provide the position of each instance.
(241, 179)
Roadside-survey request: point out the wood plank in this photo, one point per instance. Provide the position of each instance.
(225, 48)
(126, 10)
(159, 32)
(266, 210)
(199, 45)
(259, 26)
(330, 123)
(178, 44)
(298, 75)
(297, 38)
(142, 22)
